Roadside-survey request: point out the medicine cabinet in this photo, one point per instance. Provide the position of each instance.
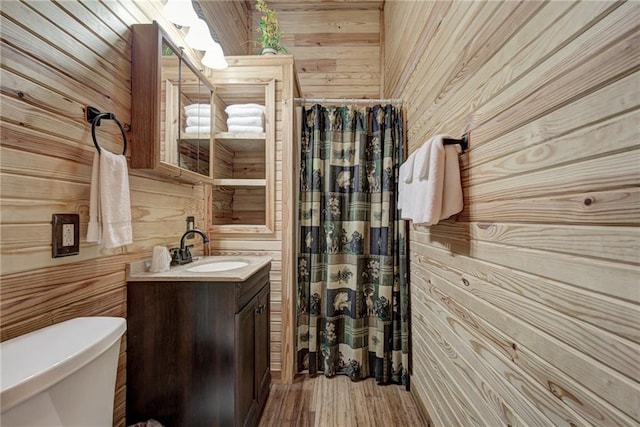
(170, 108)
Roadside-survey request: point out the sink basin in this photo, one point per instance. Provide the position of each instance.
(212, 267)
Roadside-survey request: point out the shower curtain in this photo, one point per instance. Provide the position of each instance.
(352, 304)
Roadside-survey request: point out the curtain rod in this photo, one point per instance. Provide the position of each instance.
(348, 100)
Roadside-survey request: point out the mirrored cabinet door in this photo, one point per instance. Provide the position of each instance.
(171, 109)
(194, 132)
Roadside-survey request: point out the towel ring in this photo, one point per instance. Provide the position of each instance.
(94, 116)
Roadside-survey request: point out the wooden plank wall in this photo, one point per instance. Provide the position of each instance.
(337, 49)
(525, 309)
(258, 69)
(230, 18)
(58, 57)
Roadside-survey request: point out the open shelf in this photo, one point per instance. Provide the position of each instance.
(241, 141)
(241, 182)
(242, 194)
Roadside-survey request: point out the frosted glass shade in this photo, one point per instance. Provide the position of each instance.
(180, 12)
(214, 58)
(199, 37)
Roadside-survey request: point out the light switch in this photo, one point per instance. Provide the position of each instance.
(65, 235)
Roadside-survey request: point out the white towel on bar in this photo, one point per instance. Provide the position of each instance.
(406, 176)
(94, 231)
(452, 201)
(110, 205)
(435, 191)
(198, 121)
(245, 121)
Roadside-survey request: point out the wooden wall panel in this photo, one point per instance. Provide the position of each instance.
(58, 57)
(231, 22)
(526, 305)
(337, 52)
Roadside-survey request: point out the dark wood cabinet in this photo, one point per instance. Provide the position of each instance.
(198, 352)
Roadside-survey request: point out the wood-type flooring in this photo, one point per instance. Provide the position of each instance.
(338, 402)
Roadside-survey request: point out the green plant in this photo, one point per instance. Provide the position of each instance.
(269, 28)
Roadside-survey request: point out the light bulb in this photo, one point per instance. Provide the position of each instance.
(180, 12)
(214, 58)
(199, 37)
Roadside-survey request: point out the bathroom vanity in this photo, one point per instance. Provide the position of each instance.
(198, 343)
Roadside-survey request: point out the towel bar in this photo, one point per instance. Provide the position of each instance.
(464, 142)
(94, 116)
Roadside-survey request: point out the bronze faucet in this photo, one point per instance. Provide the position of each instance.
(182, 255)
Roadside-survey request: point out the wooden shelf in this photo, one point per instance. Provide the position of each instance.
(195, 136)
(241, 141)
(241, 182)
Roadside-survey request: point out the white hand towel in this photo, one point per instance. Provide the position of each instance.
(95, 224)
(198, 121)
(406, 176)
(246, 129)
(115, 204)
(452, 201)
(197, 129)
(244, 121)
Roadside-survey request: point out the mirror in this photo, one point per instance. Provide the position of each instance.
(186, 110)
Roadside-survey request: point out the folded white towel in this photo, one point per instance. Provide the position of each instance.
(242, 107)
(427, 189)
(244, 121)
(198, 121)
(435, 191)
(421, 203)
(246, 112)
(452, 201)
(197, 129)
(245, 129)
(110, 205)
(406, 176)
(202, 110)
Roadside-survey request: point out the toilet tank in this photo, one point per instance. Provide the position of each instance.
(61, 375)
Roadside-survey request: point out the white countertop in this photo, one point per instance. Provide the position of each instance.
(139, 271)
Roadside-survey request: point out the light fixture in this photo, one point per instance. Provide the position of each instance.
(180, 12)
(214, 57)
(199, 37)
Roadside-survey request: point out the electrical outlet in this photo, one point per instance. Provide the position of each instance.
(65, 236)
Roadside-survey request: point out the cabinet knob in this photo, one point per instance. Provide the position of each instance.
(261, 309)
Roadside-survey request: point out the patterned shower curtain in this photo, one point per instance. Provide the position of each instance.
(352, 305)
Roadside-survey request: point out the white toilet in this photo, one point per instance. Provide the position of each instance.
(61, 375)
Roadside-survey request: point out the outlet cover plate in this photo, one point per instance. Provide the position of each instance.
(65, 236)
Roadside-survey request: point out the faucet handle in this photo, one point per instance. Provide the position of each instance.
(175, 255)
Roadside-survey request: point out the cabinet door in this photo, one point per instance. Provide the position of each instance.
(171, 109)
(262, 354)
(246, 393)
(252, 359)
